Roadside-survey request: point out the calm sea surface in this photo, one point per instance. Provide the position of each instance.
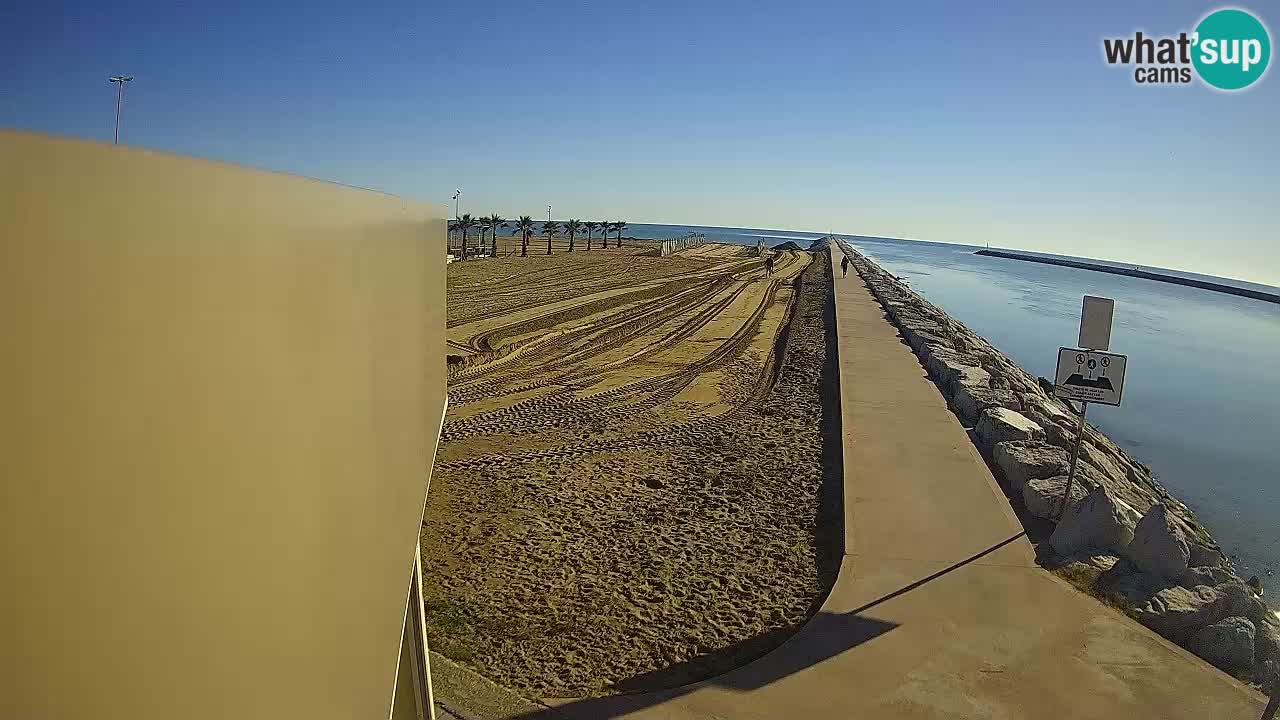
(1203, 380)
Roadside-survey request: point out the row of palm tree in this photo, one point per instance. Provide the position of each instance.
(490, 223)
(525, 226)
(573, 227)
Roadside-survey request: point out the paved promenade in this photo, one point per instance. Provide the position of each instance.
(939, 610)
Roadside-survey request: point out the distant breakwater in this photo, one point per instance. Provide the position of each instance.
(1134, 272)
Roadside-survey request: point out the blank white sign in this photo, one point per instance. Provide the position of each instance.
(1095, 322)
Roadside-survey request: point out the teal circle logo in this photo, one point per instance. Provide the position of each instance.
(1231, 49)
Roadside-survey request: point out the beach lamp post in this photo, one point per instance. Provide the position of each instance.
(119, 80)
(457, 193)
(548, 213)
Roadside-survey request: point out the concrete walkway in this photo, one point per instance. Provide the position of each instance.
(939, 610)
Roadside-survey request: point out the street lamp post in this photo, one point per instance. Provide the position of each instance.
(457, 193)
(119, 80)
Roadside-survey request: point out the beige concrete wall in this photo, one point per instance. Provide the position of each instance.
(220, 392)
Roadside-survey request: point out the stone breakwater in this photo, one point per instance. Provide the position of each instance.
(1123, 536)
(1137, 273)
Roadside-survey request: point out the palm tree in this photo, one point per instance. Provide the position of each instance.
(494, 222)
(465, 223)
(525, 226)
(550, 227)
(591, 226)
(618, 227)
(572, 228)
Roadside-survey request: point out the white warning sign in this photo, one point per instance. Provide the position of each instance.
(1089, 376)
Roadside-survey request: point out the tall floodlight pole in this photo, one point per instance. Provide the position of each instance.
(119, 80)
(548, 213)
(457, 193)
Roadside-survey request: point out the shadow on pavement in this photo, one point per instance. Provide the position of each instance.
(934, 576)
(826, 635)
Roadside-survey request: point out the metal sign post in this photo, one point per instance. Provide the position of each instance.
(1075, 456)
(1088, 375)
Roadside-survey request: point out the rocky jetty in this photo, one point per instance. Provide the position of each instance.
(1136, 544)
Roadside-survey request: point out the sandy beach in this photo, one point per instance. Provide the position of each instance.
(631, 480)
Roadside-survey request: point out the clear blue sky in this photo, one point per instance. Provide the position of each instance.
(963, 122)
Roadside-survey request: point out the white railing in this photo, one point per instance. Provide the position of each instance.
(671, 246)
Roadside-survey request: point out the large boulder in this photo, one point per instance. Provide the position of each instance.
(998, 424)
(941, 360)
(1242, 600)
(1159, 546)
(1094, 454)
(1023, 383)
(1059, 426)
(915, 325)
(1055, 434)
(1269, 677)
(909, 316)
(1101, 564)
(1208, 575)
(999, 380)
(1268, 639)
(1128, 513)
(920, 342)
(1139, 474)
(1205, 556)
(892, 307)
(945, 365)
(1177, 612)
(1228, 643)
(970, 400)
(1096, 523)
(927, 352)
(1129, 585)
(1023, 460)
(957, 377)
(1043, 496)
(1054, 410)
(1048, 409)
(1133, 501)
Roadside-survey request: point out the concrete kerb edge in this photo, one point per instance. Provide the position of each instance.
(845, 542)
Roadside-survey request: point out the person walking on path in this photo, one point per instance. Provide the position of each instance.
(844, 267)
(768, 264)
